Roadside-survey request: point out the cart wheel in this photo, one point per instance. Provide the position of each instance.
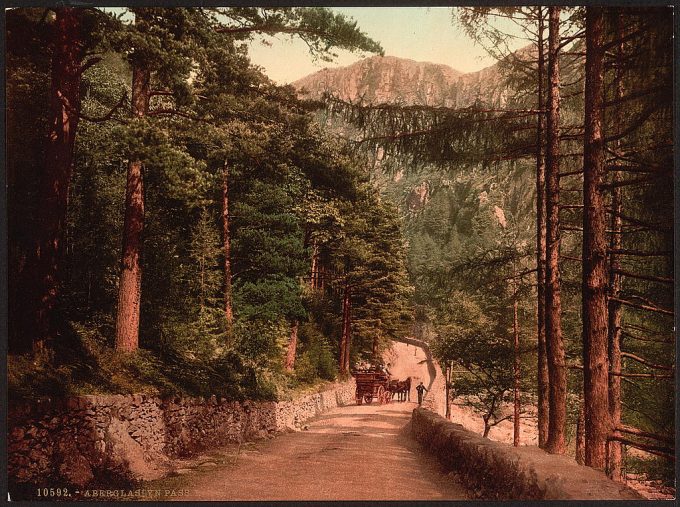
(368, 398)
(381, 395)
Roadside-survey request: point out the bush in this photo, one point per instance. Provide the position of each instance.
(317, 360)
(86, 364)
(655, 468)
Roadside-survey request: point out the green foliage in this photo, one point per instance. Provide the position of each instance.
(319, 27)
(209, 107)
(654, 469)
(317, 359)
(87, 365)
(469, 337)
(371, 255)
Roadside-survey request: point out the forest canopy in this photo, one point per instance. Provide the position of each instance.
(243, 225)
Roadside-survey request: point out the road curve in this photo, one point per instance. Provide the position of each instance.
(350, 453)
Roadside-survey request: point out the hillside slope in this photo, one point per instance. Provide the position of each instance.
(439, 206)
(388, 79)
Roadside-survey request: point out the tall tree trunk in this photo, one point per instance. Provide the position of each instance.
(292, 346)
(580, 436)
(448, 389)
(615, 282)
(516, 373)
(346, 324)
(38, 320)
(129, 293)
(594, 288)
(226, 245)
(321, 280)
(314, 279)
(348, 342)
(543, 379)
(553, 305)
(201, 266)
(487, 427)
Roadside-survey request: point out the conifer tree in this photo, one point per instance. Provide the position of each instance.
(596, 367)
(75, 33)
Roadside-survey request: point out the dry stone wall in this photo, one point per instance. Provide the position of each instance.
(86, 440)
(498, 471)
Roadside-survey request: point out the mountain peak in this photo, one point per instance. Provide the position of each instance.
(390, 79)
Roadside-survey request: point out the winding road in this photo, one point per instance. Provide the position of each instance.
(350, 453)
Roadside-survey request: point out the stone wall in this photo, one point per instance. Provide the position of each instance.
(88, 440)
(494, 470)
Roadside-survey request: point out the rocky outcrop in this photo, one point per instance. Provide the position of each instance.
(388, 79)
(113, 439)
(494, 470)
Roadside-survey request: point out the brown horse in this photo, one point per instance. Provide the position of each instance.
(402, 388)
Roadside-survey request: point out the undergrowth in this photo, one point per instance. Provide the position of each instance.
(85, 363)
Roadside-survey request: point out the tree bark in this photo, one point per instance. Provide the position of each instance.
(201, 267)
(346, 324)
(292, 346)
(38, 323)
(555, 442)
(129, 293)
(226, 245)
(543, 379)
(516, 374)
(349, 336)
(580, 436)
(487, 427)
(447, 389)
(594, 286)
(615, 283)
(322, 277)
(314, 279)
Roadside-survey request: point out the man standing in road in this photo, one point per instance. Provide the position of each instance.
(420, 388)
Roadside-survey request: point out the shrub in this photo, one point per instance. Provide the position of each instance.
(317, 360)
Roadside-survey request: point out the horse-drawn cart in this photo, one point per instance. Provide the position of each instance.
(372, 385)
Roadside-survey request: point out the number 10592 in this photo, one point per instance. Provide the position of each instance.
(52, 492)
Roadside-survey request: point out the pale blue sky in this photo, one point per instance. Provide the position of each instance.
(420, 33)
(426, 34)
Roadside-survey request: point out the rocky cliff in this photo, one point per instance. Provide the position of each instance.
(382, 79)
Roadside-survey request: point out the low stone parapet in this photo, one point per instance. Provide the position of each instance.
(499, 471)
(84, 440)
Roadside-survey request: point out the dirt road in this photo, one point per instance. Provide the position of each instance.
(351, 453)
(409, 361)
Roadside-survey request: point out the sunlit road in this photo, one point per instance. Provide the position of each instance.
(351, 453)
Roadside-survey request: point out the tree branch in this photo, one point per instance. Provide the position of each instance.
(642, 307)
(101, 119)
(647, 363)
(89, 63)
(643, 277)
(666, 452)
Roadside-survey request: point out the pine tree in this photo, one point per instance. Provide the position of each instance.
(555, 442)
(75, 33)
(595, 362)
